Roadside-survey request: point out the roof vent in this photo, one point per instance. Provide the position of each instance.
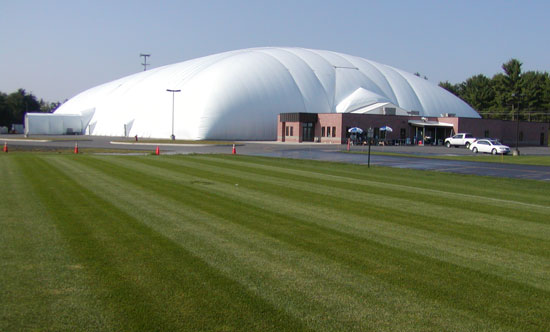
(448, 115)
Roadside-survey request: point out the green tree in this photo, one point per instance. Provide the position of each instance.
(14, 106)
(452, 88)
(546, 94)
(502, 104)
(512, 75)
(5, 114)
(512, 82)
(478, 92)
(47, 107)
(20, 102)
(418, 74)
(533, 84)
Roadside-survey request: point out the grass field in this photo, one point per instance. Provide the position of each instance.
(508, 159)
(223, 243)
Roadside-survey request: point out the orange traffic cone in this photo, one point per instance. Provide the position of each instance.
(76, 148)
(5, 146)
(157, 151)
(234, 151)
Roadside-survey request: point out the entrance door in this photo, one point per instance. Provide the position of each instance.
(307, 132)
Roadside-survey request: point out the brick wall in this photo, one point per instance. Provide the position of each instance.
(376, 121)
(328, 129)
(531, 133)
(288, 131)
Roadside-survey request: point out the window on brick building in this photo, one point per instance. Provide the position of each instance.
(291, 131)
(286, 130)
(328, 131)
(333, 131)
(322, 131)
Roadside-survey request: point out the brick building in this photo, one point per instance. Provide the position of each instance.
(333, 128)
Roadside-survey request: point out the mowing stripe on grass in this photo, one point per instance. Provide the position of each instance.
(279, 226)
(141, 276)
(42, 285)
(300, 246)
(511, 263)
(430, 205)
(490, 189)
(261, 263)
(360, 202)
(354, 321)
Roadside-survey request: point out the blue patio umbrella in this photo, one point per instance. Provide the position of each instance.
(355, 130)
(386, 128)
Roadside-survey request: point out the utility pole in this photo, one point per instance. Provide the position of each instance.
(516, 151)
(144, 64)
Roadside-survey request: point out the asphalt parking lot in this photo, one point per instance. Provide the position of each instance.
(314, 151)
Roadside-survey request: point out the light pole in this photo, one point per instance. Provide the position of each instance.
(370, 135)
(173, 93)
(516, 152)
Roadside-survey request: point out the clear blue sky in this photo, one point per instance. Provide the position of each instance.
(58, 48)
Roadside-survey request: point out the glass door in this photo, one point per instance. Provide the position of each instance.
(307, 132)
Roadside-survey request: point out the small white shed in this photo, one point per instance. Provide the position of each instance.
(56, 124)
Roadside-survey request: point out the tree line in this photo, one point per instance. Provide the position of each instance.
(506, 94)
(13, 107)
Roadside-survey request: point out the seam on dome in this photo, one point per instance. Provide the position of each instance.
(389, 68)
(414, 89)
(330, 102)
(222, 57)
(411, 86)
(226, 55)
(342, 56)
(318, 54)
(289, 73)
(418, 97)
(375, 66)
(339, 56)
(377, 70)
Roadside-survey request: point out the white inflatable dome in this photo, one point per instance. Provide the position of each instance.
(237, 95)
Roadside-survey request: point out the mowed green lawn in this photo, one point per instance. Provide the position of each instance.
(223, 243)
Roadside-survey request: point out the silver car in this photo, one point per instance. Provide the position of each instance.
(488, 145)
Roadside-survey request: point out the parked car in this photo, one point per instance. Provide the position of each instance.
(492, 146)
(460, 139)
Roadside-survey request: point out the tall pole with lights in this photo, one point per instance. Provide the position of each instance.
(516, 151)
(173, 94)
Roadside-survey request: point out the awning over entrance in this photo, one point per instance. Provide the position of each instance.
(431, 132)
(421, 123)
